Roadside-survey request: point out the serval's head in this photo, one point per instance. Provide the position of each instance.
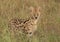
(35, 13)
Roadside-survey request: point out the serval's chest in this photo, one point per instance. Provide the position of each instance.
(32, 25)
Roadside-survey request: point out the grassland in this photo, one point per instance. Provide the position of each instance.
(48, 25)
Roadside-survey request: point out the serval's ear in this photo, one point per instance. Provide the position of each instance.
(31, 9)
(38, 9)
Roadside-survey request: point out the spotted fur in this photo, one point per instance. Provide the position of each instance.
(26, 26)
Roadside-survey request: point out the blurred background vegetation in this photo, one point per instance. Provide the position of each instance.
(48, 25)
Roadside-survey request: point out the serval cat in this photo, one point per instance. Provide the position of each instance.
(26, 26)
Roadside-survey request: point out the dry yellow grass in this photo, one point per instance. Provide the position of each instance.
(48, 25)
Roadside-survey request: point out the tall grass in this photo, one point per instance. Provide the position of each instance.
(48, 25)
